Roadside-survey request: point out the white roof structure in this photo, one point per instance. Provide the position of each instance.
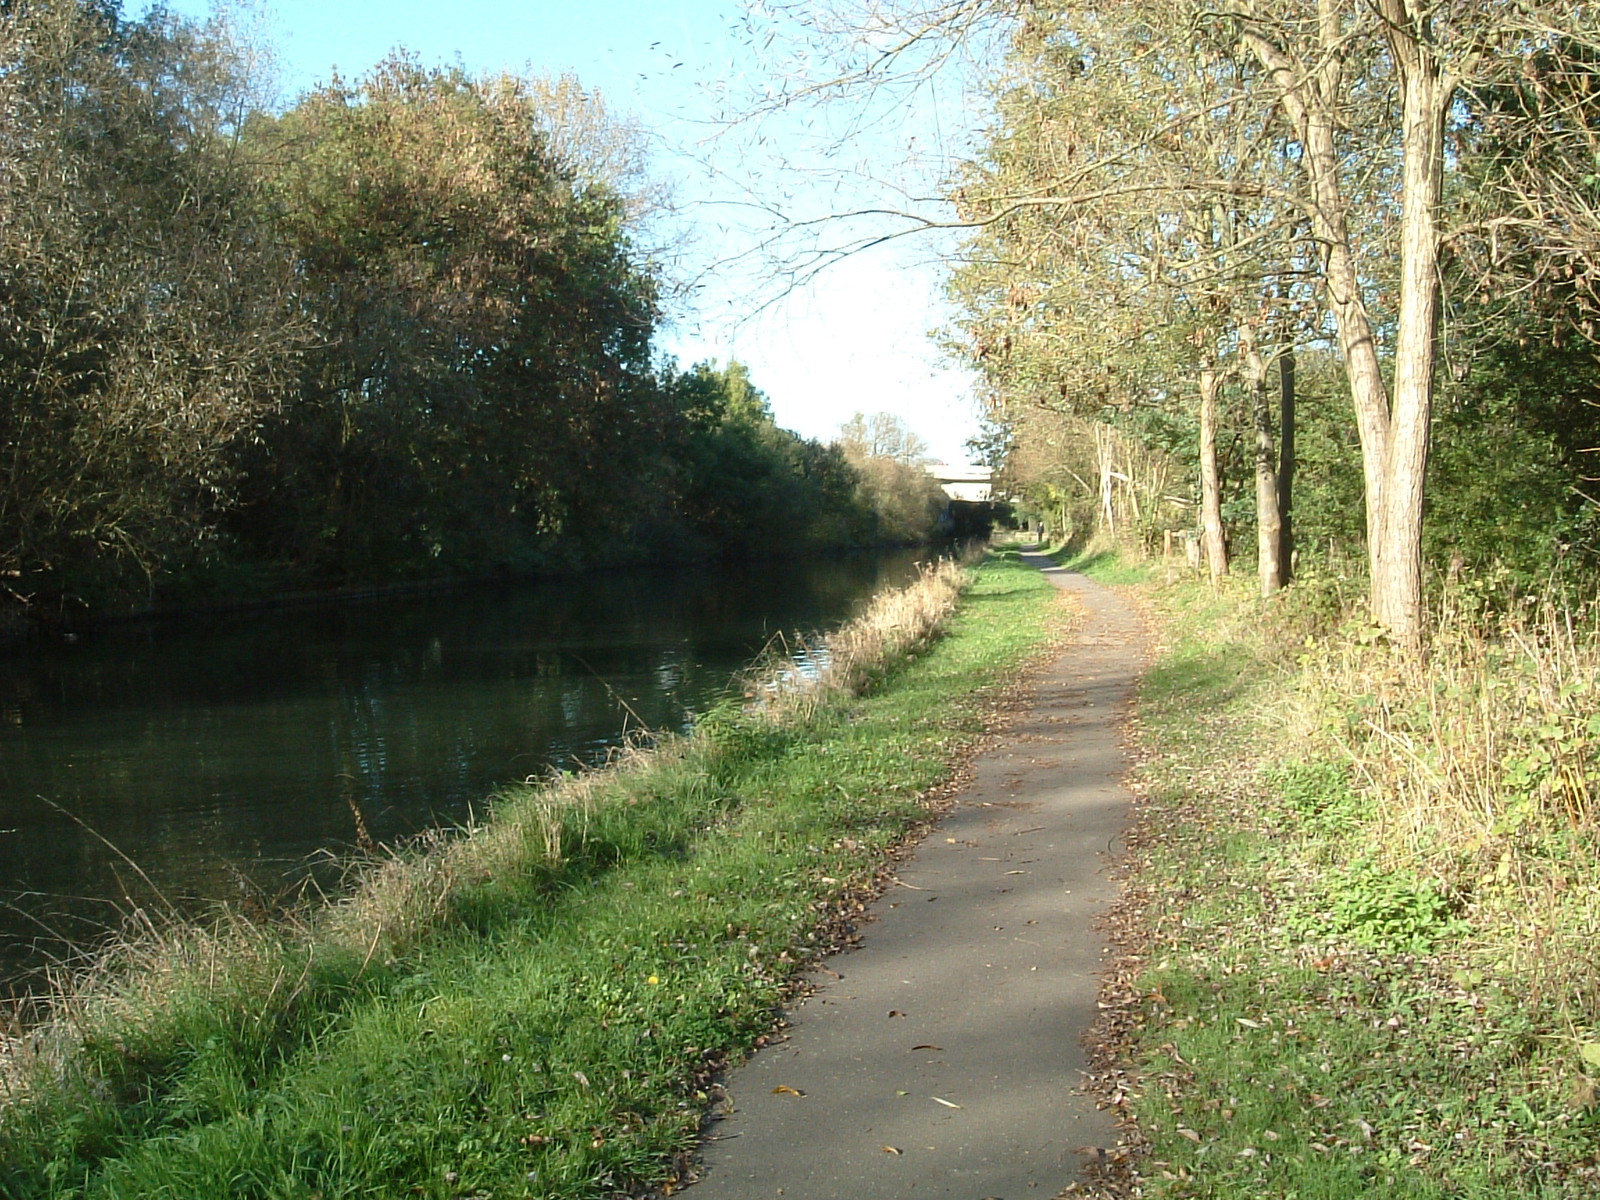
(963, 482)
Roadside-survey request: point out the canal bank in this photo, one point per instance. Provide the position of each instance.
(536, 1014)
(234, 757)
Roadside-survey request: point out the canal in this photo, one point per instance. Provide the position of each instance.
(232, 757)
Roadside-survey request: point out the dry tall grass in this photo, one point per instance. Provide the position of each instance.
(895, 625)
(1485, 762)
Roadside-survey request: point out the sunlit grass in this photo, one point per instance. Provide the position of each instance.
(531, 1009)
(1337, 994)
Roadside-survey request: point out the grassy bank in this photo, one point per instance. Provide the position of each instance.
(534, 1009)
(1360, 930)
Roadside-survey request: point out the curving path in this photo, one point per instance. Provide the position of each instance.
(942, 1057)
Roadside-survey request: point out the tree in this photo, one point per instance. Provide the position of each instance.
(882, 435)
(744, 486)
(890, 460)
(1365, 94)
(481, 386)
(1131, 238)
(145, 324)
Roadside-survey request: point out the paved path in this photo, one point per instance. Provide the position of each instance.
(942, 1057)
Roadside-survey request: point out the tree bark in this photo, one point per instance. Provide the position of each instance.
(1286, 461)
(1216, 550)
(1103, 460)
(1312, 102)
(1393, 430)
(1425, 95)
(1269, 530)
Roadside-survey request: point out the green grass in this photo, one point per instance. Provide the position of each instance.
(551, 1035)
(1309, 1024)
(1104, 565)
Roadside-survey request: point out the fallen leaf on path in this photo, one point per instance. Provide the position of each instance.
(895, 1012)
(1190, 1134)
(783, 1089)
(946, 1103)
(926, 1046)
(891, 1150)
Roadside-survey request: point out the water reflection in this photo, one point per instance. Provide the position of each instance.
(219, 757)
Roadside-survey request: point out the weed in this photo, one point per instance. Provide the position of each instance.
(1365, 907)
(1387, 910)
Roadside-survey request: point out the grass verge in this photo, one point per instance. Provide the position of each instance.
(1328, 987)
(532, 1009)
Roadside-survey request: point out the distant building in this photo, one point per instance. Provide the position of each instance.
(972, 484)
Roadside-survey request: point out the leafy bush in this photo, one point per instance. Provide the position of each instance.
(1314, 788)
(1390, 911)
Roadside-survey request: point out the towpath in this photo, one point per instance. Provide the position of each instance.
(942, 1058)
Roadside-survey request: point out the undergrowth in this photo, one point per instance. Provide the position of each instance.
(1361, 914)
(532, 1008)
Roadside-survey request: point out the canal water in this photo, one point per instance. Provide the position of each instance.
(222, 758)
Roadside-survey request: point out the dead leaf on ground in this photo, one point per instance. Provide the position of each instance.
(783, 1089)
(891, 1150)
(926, 1046)
(946, 1103)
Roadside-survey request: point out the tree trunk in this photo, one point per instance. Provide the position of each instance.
(1394, 439)
(1397, 554)
(1104, 460)
(1216, 550)
(1286, 461)
(1268, 523)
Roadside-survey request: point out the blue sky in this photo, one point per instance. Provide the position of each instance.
(855, 340)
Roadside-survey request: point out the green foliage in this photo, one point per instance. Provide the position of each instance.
(1387, 910)
(1316, 790)
(146, 318)
(1512, 443)
(906, 503)
(736, 484)
(478, 389)
(400, 330)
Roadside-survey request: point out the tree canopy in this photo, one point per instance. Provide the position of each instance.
(404, 328)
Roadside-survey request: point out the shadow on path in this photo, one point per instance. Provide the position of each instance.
(942, 1058)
